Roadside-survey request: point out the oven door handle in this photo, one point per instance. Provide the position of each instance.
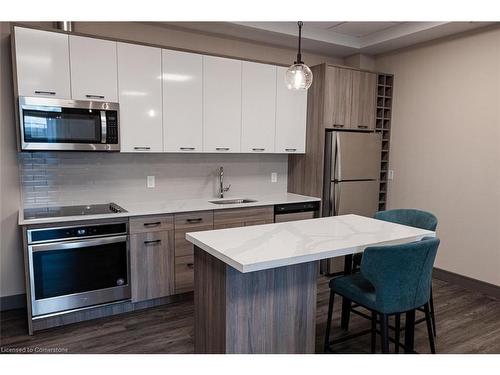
(77, 244)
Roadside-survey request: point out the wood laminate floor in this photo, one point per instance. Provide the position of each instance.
(467, 322)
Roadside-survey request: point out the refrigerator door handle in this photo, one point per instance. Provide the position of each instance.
(331, 211)
(337, 199)
(338, 153)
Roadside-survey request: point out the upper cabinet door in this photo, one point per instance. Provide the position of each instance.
(221, 104)
(93, 69)
(291, 112)
(182, 101)
(42, 63)
(258, 107)
(140, 97)
(338, 98)
(364, 98)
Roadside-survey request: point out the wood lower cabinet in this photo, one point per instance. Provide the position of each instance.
(152, 261)
(241, 217)
(162, 260)
(184, 262)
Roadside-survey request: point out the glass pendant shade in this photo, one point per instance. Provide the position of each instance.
(298, 77)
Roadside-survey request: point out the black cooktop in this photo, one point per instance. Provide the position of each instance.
(93, 209)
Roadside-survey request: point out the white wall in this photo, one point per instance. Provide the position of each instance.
(445, 146)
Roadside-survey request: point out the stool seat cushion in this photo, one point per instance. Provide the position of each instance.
(356, 288)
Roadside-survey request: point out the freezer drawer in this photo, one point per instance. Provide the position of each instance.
(354, 197)
(355, 156)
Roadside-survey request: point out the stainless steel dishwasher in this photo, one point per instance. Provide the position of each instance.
(296, 211)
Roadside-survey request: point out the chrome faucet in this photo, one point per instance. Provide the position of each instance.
(222, 189)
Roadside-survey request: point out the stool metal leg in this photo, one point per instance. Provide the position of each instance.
(397, 332)
(429, 328)
(346, 303)
(432, 314)
(329, 321)
(374, 331)
(384, 329)
(410, 331)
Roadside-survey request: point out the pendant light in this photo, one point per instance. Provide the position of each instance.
(298, 76)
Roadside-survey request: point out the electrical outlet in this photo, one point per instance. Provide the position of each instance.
(151, 181)
(390, 174)
(274, 177)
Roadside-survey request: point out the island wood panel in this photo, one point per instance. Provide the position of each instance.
(305, 172)
(269, 311)
(364, 100)
(209, 303)
(151, 265)
(240, 217)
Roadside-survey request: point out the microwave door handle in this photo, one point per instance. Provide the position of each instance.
(64, 245)
(103, 127)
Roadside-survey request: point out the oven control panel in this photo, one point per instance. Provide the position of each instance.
(67, 233)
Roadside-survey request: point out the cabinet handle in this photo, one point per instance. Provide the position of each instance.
(45, 92)
(197, 220)
(155, 224)
(290, 149)
(258, 149)
(222, 148)
(94, 96)
(153, 242)
(190, 265)
(362, 126)
(142, 148)
(338, 125)
(187, 148)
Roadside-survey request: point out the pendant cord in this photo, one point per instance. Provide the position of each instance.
(299, 54)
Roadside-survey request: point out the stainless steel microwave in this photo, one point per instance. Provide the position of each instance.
(68, 125)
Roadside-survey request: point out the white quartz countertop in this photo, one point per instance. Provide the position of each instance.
(260, 247)
(175, 206)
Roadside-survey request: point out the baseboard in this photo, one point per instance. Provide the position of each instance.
(467, 282)
(16, 301)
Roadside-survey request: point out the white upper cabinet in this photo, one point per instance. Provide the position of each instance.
(221, 104)
(140, 97)
(182, 101)
(291, 112)
(258, 116)
(93, 69)
(42, 63)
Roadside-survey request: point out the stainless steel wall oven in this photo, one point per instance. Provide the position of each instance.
(71, 267)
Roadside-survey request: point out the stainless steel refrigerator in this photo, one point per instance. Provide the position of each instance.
(351, 177)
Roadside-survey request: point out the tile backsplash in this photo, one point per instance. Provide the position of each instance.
(58, 178)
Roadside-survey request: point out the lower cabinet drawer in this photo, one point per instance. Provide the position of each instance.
(184, 274)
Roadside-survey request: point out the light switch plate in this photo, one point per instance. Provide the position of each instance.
(390, 174)
(274, 177)
(151, 181)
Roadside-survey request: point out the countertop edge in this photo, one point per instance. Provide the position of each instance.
(270, 264)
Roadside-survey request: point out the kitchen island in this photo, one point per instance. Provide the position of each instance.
(255, 287)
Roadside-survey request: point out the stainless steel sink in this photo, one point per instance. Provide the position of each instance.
(233, 201)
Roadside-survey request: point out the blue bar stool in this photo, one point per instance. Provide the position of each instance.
(413, 218)
(393, 280)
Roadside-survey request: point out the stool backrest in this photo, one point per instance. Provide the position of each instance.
(400, 274)
(411, 217)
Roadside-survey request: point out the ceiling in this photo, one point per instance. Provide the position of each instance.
(337, 39)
